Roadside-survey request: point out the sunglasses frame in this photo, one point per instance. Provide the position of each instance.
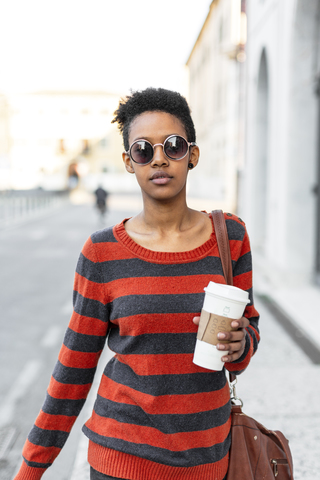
(189, 144)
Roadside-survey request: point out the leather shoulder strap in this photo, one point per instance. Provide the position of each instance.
(285, 445)
(223, 244)
(221, 232)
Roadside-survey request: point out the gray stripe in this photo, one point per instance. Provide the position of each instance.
(254, 339)
(131, 305)
(90, 308)
(185, 384)
(80, 342)
(56, 406)
(105, 235)
(135, 267)
(36, 464)
(88, 269)
(152, 344)
(47, 438)
(174, 423)
(243, 265)
(73, 376)
(236, 231)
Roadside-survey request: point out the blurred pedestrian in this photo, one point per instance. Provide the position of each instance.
(140, 286)
(73, 179)
(101, 201)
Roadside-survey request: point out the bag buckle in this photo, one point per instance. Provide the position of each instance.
(233, 394)
(275, 467)
(278, 461)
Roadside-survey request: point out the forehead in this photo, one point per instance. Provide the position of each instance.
(155, 126)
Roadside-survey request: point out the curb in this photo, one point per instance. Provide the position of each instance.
(311, 349)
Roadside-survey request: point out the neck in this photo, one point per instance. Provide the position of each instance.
(165, 216)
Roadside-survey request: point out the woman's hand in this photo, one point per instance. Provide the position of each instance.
(236, 338)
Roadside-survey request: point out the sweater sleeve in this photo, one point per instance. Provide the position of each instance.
(242, 278)
(74, 371)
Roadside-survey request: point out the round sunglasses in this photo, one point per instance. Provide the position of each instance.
(174, 147)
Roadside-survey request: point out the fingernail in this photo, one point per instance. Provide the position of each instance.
(221, 336)
(224, 359)
(234, 324)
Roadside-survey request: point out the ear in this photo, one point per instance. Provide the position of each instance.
(194, 155)
(127, 162)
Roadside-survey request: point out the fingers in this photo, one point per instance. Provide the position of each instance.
(243, 322)
(236, 340)
(233, 342)
(232, 350)
(231, 336)
(196, 320)
(232, 357)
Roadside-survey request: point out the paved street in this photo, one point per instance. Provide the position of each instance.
(280, 388)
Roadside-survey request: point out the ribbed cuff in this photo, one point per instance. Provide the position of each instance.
(29, 473)
(122, 465)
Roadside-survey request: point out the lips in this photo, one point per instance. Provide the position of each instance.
(160, 178)
(159, 174)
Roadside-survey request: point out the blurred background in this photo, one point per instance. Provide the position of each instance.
(250, 70)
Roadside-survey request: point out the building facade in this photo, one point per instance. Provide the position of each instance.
(4, 141)
(55, 137)
(279, 188)
(216, 96)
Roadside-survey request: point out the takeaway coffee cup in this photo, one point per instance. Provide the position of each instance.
(222, 304)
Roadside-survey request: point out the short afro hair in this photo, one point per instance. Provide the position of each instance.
(150, 100)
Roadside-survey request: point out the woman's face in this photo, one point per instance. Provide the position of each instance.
(163, 178)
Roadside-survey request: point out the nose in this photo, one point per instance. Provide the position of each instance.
(159, 157)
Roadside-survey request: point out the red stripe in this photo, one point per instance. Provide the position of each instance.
(54, 422)
(88, 251)
(112, 251)
(256, 333)
(73, 359)
(89, 289)
(157, 323)
(87, 325)
(33, 453)
(161, 285)
(235, 249)
(166, 364)
(123, 465)
(244, 281)
(166, 404)
(235, 367)
(174, 442)
(105, 251)
(65, 391)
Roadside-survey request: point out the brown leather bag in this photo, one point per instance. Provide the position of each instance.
(256, 453)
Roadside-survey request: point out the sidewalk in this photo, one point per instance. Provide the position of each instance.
(296, 307)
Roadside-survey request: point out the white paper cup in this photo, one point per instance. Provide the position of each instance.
(224, 301)
(208, 356)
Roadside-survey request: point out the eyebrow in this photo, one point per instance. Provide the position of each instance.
(148, 140)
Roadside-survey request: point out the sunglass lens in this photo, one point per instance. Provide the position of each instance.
(141, 152)
(175, 147)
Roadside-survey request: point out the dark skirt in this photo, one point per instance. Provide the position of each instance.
(95, 475)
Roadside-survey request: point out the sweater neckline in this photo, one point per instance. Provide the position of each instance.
(197, 253)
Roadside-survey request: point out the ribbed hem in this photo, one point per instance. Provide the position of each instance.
(121, 235)
(122, 465)
(29, 473)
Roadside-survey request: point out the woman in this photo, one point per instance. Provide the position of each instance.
(140, 285)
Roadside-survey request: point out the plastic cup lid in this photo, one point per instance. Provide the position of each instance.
(227, 291)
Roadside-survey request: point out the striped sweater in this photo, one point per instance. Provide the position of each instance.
(157, 415)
